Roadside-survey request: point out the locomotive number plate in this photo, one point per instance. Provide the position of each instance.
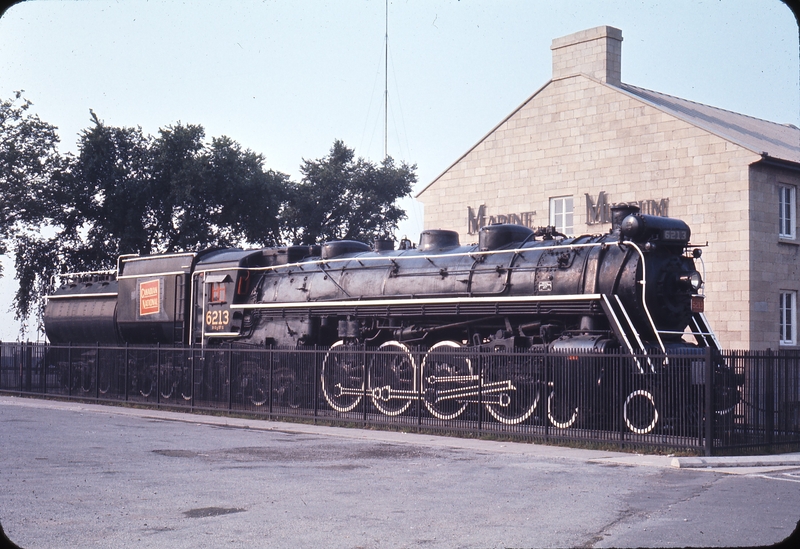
(217, 321)
(546, 286)
(675, 234)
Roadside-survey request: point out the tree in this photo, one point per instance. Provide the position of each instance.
(211, 195)
(344, 198)
(126, 192)
(28, 159)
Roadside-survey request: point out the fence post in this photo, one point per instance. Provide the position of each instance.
(230, 377)
(158, 374)
(769, 397)
(127, 381)
(41, 352)
(191, 374)
(547, 390)
(619, 397)
(97, 372)
(269, 380)
(418, 382)
(27, 366)
(317, 374)
(69, 369)
(709, 403)
(363, 353)
(481, 357)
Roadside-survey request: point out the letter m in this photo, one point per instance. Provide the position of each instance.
(475, 222)
(594, 209)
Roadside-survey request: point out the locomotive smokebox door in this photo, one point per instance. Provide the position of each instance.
(218, 295)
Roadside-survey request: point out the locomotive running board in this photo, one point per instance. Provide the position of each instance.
(435, 306)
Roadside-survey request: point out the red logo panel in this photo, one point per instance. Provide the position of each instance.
(149, 298)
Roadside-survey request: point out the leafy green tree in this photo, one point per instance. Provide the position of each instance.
(344, 198)
(28, 160)
(211, 195)
(90, 210)
(126, 192)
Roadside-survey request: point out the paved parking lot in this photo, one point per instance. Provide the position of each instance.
(79, 475)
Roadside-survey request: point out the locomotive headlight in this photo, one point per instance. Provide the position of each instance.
(692, 280)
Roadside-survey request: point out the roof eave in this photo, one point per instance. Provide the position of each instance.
(482, 139)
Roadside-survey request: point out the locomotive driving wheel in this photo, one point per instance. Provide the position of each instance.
(446, 380)
(640, 412)
(167, 382)
(83, 376)
(510, 390)
(391, 378)
(343, 377)
(560, 410)
(562, 407)
(144, 383)
(286, 388)
(253, 383)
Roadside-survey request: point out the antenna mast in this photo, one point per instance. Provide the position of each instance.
(386, 89)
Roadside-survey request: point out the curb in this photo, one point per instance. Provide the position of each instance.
(784, 460)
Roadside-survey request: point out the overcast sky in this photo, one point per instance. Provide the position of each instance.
(286, 78)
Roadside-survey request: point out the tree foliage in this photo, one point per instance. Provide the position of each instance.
(126, 192)
(28, 159)
(344, 198)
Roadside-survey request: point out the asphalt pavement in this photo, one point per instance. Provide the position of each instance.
(86, 475)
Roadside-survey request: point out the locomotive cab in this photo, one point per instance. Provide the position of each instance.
(223, 279)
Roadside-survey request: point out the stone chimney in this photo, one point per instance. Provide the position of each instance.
(596, 52)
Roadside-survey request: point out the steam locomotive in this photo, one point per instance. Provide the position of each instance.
(635, 291)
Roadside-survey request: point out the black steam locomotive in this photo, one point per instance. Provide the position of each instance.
(633, 291)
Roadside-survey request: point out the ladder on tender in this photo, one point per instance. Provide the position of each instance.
(180, 308)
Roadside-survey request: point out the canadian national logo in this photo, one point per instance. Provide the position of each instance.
(149, 298)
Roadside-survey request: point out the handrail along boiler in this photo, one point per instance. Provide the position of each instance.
(635, 289)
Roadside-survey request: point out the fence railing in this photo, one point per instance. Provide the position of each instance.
(702, 402)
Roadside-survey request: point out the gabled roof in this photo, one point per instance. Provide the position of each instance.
(778, 141)
(781, 141)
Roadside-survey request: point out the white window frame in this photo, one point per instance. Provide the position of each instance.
(787, 212)
(787, 305)
(562, 214)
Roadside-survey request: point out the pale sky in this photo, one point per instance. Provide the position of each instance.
(286, 78)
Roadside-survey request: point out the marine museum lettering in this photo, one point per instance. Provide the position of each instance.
(599, 210)
(476, 220)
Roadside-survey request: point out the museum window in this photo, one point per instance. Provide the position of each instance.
(787, 205)
(788, 320)
(561, 214)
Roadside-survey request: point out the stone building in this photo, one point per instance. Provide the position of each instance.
(585, 141)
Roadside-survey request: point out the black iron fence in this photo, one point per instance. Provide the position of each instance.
(702, 402)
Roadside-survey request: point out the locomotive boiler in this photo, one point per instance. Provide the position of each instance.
(635, 291)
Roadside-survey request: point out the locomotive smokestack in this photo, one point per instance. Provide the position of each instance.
(620, 212)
